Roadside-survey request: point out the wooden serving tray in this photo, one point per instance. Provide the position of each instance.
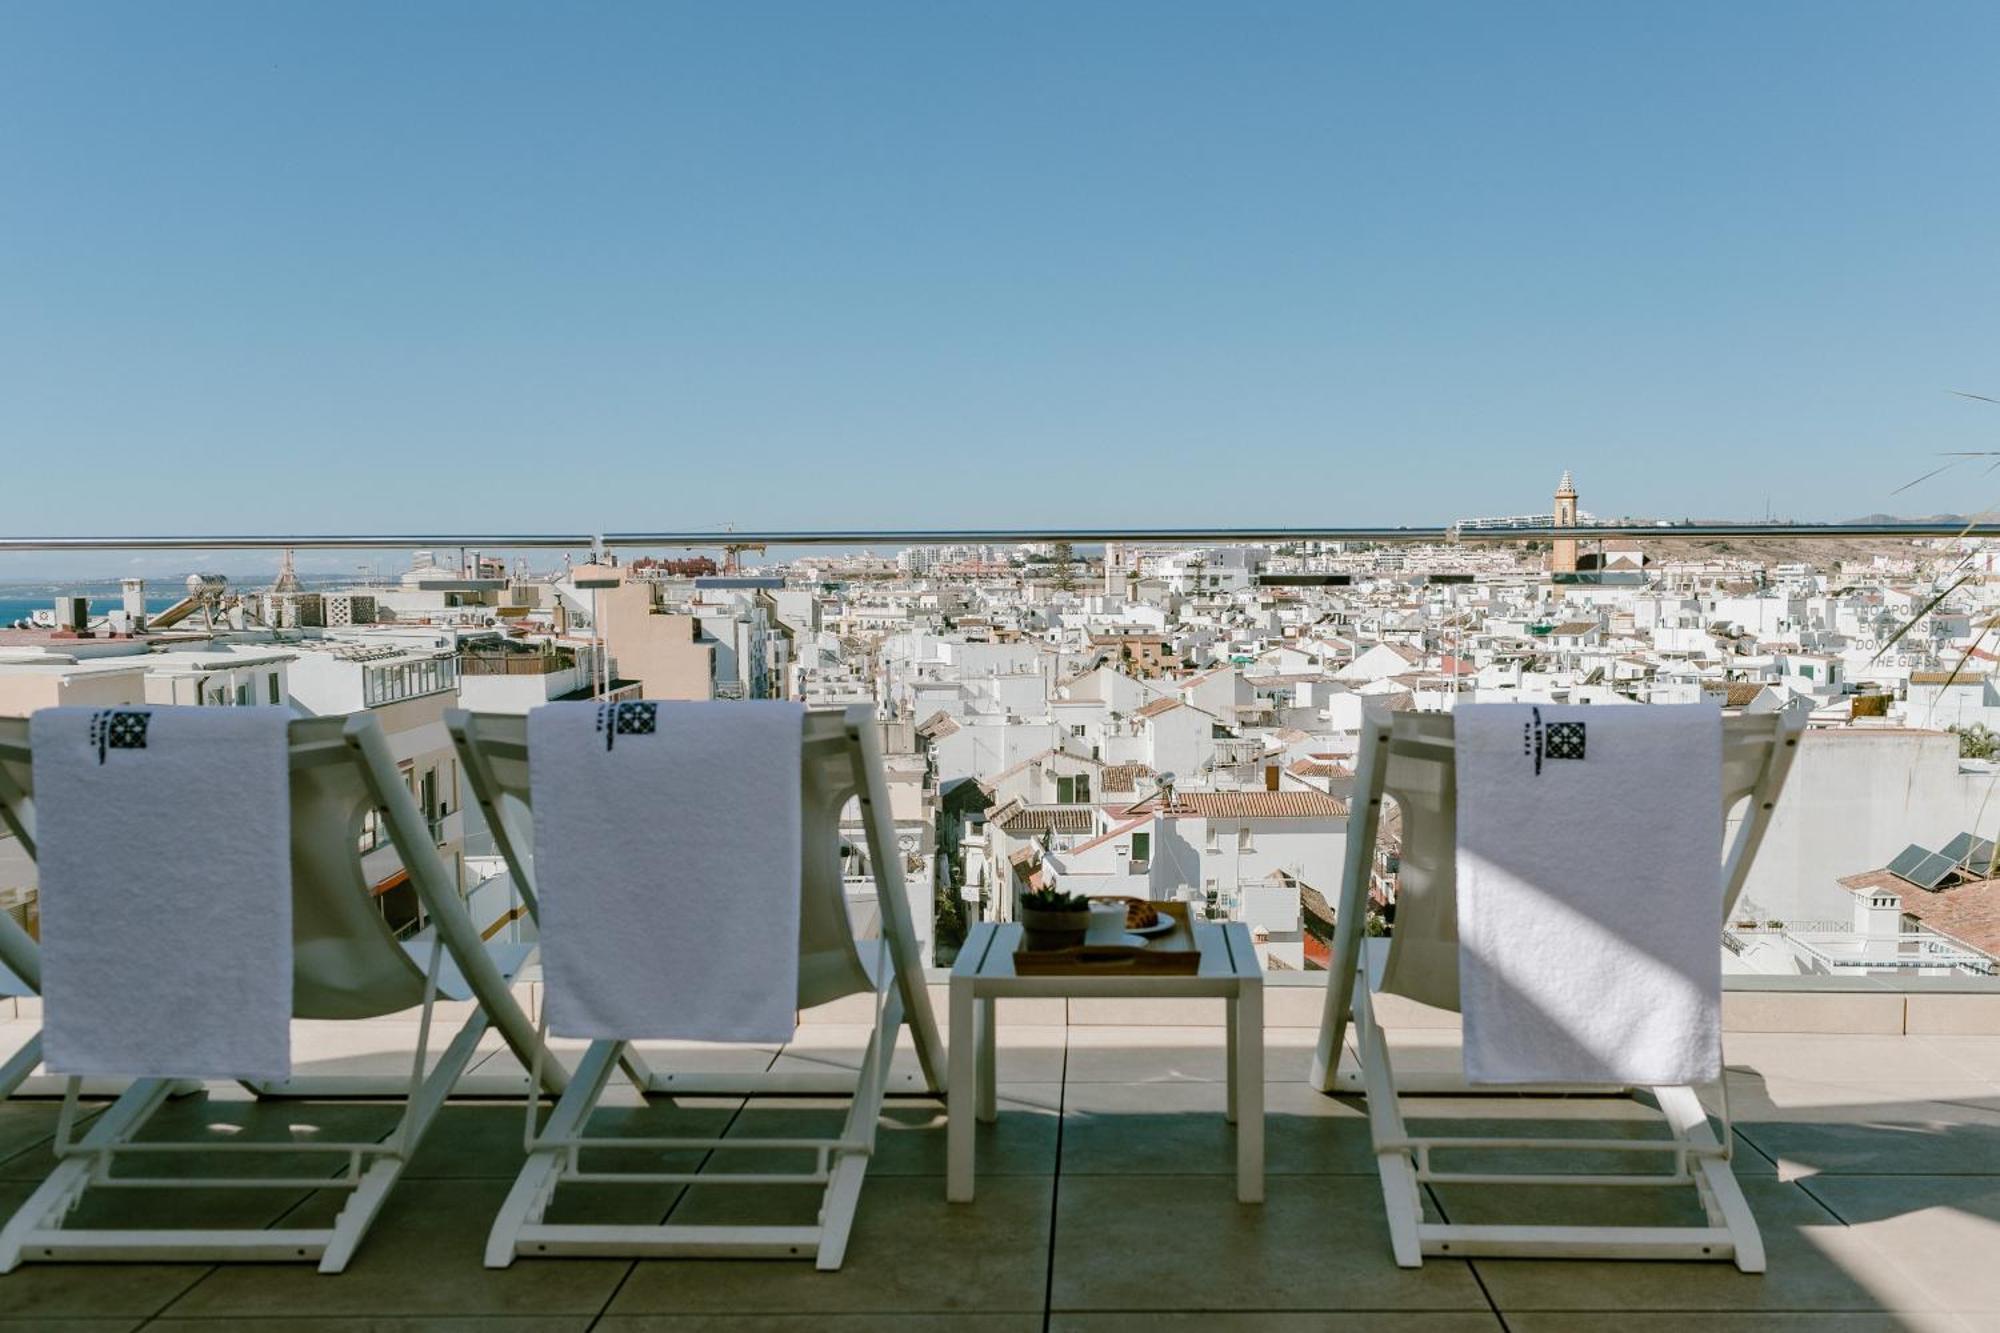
(1172, 954)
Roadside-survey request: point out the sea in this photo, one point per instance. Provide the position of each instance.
(21, 598)
(18, 603)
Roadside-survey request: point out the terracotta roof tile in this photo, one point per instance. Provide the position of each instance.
(1033, 820)
(1124, 777)
(1318, 768)
(1735, 693)
(1248, 805)
(937, 726)
(1968, 912)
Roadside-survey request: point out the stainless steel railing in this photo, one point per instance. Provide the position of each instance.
(1628, 529)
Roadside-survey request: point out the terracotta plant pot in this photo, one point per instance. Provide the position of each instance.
(1054, 930)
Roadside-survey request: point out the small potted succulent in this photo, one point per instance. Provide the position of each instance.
(1054, 919)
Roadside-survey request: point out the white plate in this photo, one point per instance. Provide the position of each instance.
(1160, 927)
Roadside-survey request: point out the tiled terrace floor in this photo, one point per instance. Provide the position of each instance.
(1106, 1203)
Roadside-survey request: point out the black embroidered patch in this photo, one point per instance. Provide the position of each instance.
(626, 719)
(119, 729)
(1550, 740)
(1565, 740)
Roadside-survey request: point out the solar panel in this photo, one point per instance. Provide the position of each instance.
(1969, 850)
(1907, 861)
(1933, 871)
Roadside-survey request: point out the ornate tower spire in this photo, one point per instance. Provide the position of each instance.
(1563, 558)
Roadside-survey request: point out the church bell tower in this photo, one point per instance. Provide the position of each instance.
(1564, 561)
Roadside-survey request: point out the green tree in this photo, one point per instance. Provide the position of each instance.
(1065, 562)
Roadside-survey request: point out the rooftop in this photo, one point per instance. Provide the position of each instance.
(1967, 909)
(1868, 1140)
(1029, 820)
(1246, 805)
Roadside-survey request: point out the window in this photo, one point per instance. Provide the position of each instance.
(1076, 729)
(243, 693)
(1214, 838)
(1243, 843)
(277, 694)
(1142, 846)
(371, 831)
(1073, 791)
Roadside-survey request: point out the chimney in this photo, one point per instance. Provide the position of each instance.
(134, 594)
(1878, 912)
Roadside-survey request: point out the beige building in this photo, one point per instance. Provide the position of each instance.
(57, 682)
(661, 650)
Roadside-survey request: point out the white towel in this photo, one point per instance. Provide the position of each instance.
(667, 865)
(166, 890)
(1590, 893)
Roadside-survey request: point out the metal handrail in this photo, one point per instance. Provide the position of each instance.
(1011, 536)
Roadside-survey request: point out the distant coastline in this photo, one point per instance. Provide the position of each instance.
(14, 608)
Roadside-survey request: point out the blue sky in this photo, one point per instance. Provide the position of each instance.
(278, 266)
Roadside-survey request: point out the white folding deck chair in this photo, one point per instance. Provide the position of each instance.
(840, 762)
(20, 977)
(346, 965)
(1411, 759)
(20, 959)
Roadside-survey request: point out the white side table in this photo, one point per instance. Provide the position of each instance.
(985, 972)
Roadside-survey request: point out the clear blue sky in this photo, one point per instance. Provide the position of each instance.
(383, 266)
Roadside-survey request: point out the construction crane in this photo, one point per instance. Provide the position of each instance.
(731, 564)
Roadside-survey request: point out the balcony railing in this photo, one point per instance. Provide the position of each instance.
(1215, 536)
